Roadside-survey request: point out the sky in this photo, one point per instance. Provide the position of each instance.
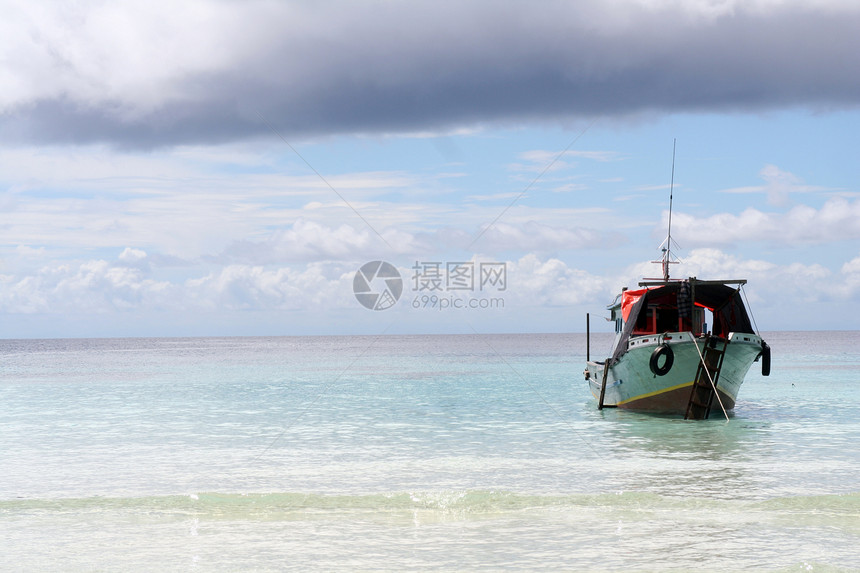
(215, 168)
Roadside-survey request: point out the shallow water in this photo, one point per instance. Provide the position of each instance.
(419, 453)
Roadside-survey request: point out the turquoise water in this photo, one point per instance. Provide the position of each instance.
(415, 453)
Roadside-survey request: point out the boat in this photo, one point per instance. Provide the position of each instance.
(682, 347)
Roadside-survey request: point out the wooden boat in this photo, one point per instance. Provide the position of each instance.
(681, 346)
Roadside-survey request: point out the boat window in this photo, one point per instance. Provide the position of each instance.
(645, 322)
(667, 319)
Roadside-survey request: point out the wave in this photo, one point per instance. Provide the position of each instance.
(461, 504)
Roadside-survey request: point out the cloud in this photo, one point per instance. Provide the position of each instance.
(532, 235)
(837, 220)
(709, 263)
(133, 258)
(551, 282)
(311, 241)
(145, 74)
(230, 206)
(307, 240)
(542, 161)
(790, 296)
(789, 285)
(95, 286)
(778, 185)
(100, 286)
(249, 287)
(318, 295)
(91, 198)
(103, 287)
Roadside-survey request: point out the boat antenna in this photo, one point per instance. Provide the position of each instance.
(666, 246)
(667, 251)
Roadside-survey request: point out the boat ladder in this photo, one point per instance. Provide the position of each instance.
(707, 375)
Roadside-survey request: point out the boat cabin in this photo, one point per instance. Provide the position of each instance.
(692, 305)
(661, 315)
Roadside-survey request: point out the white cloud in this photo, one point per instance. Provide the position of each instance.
(103, 287)
(551, 282)
(132, 54)
(849, 286)
(531, 235)
(769, 284)
(95, 286)
(114, 290)
(497, 196)
(133, 257)
(543, 161)
(307, 240)
(568, 187)
(185, 203)
(779, 184)
(91, 197)
(246, 287)
(837, 220)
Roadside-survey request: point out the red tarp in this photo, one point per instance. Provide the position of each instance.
(628, 299)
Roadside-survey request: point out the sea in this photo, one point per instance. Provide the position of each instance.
(415, 453)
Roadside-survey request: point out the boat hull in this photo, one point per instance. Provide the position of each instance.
(631, 384)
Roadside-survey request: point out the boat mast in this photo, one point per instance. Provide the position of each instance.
(666, 246)
(667, 249)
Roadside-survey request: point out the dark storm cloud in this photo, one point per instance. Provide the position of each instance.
(375, 67)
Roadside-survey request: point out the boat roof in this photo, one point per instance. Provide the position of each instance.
(692, 280)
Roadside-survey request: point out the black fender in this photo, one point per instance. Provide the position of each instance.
(765, 359)
(655, 360)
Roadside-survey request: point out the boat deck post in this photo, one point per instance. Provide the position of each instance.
(603, 384)
(587, 337)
